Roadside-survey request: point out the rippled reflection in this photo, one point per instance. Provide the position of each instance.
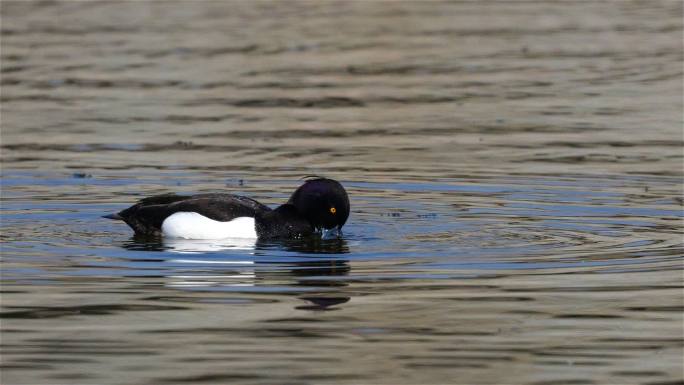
(195, 246)
(212, 265)
(313, 244)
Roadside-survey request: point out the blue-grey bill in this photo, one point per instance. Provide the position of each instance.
(335, 232)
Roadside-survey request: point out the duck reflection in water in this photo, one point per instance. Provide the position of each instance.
(200, 246)
(201, 265)
(309, 245)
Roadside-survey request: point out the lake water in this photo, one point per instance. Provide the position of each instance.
(515, 173)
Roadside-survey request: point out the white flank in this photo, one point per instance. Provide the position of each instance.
(191, 225)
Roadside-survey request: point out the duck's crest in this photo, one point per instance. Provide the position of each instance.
(312, 177)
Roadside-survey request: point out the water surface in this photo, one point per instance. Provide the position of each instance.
(515, 172)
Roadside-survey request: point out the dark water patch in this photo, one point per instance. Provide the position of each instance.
(295, 320)
(288, 85)
(75, 31)
(295, 134)
(97, 147)
(40, 98)
(565, 29)
(27, 366)
(11, 58)
(423, 69)
(174, 119)
(73, 376)
(676, 382)
(493, 299)
(223, 300)
(445, 365)
(211, 377)
(99, 83)
(639, 373)
(590, 158)
(569, 381)
(572, 354)
(55, 360)
(194, 52)
(589, 316)
(595, 144)
(662, 77)
(65, 311)
(322, 303)
(573, 363)
(323, 102)
(677, 309)
(12, 69)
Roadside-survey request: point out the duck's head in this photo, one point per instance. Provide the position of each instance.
(323, 202)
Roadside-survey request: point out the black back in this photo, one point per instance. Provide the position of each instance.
(146, 216)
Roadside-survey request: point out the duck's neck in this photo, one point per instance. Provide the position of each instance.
(283, 222)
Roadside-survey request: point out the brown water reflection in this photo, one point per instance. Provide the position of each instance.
(515, 171)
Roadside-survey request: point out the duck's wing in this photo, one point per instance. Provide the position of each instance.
(146, 216)
(219, 207)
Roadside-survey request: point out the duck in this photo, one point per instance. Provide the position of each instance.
(319, 206)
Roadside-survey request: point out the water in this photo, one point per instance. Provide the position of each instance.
(515, 172)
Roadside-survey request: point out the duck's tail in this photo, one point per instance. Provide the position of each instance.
(115, 216)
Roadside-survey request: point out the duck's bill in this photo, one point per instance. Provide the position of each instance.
(335, 232)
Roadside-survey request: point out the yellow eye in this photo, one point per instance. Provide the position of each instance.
(333, 210)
